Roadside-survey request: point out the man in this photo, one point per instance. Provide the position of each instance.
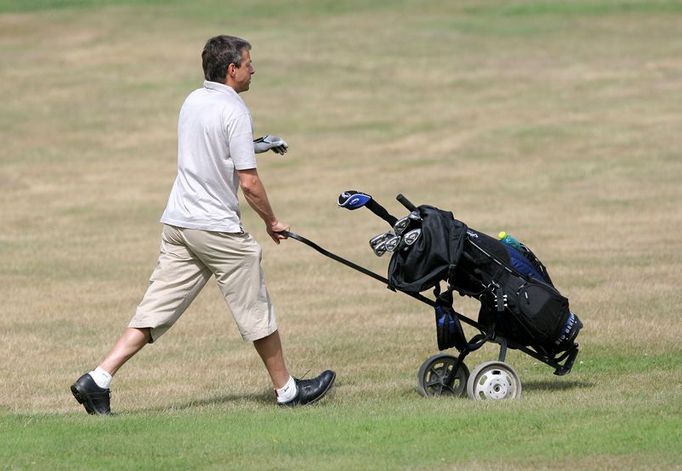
(203, 235)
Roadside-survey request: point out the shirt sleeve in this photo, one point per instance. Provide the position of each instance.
(240, 142)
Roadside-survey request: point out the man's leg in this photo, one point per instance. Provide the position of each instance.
(92, 389)
(290, 391)
(128, 344)
(270, 350)
(175, 282)
(235, 260)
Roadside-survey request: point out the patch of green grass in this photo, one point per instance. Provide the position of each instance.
(7, 6)
(577, 8)
(606, 362)
(254, 8)
(409, 432)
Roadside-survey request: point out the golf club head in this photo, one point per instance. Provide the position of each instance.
(414, 216)
(392, 243)
(380, 249)
(401, 225)
(411, 236)
(352, 199)
(378, 243)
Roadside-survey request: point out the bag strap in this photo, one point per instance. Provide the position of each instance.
(456, 237)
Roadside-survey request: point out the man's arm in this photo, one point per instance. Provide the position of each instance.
(255, 195)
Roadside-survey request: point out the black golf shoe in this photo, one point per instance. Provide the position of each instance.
(311, 390)
(94, 399)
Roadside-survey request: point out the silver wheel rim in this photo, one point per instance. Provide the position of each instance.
(494, 380)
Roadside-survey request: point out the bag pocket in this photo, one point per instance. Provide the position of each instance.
(542, 311)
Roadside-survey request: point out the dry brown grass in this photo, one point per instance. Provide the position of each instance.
(569, 141)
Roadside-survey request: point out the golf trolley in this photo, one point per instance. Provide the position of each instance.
(520, 308)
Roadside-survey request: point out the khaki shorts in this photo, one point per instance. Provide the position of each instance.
(187, 260)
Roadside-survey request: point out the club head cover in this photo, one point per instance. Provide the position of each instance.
(352, 199)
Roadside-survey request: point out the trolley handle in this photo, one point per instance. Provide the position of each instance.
(405, 202)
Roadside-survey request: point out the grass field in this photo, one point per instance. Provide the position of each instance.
(556, 121)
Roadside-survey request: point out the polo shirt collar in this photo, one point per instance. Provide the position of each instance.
(219, 87)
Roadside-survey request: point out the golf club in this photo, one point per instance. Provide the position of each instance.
(378, 243)
(352, 200)
(392, 243)
(400, 226)
(412, 236)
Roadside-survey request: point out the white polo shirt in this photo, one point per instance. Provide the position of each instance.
(215, 138)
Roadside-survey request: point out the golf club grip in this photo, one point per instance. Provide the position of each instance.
(405, 202)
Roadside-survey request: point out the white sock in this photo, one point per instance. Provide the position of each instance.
(101, 377)
(287, 392)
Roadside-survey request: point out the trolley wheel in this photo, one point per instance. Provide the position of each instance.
(433, 373)
(493, 380)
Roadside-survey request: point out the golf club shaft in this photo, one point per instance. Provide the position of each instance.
(380, 211)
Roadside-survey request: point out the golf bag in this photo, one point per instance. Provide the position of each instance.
(518, 299)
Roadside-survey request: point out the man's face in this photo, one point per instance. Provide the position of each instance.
(239, 78)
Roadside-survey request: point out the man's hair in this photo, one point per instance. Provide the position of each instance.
(219, 52)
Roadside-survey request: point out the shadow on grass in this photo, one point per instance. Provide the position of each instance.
(264, 398)
(549, 385)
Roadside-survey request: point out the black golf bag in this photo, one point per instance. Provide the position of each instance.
(518, 299)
